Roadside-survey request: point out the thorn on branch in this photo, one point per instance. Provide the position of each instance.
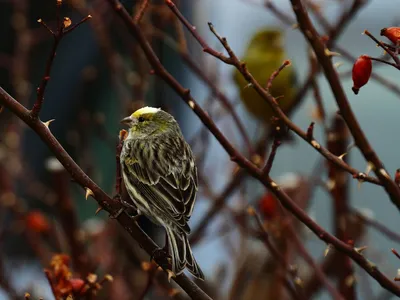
(191, 103)
(99, 209)
(47, 123)
(327, 249)
(88, 193)
(360, 249)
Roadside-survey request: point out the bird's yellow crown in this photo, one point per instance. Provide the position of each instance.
(147, 110)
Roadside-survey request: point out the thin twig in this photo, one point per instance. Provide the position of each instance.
(384, 47)
(57, 37)
(142, 8)
(268, 166)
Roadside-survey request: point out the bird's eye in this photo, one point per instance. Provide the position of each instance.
(141, 119)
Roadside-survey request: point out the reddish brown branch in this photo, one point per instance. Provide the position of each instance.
(337, 143)
(296, 293)
(69, 222)
(384, 62)
(233, 60)
(276, 74)
(333, 34)
(317, 269)
(142, 8)
(268, 166)
(57, 35)
(345, 109)
(384, 47)
(73, 27)
(99, 195)
(46, 77)
(226, 103)
(118, 180)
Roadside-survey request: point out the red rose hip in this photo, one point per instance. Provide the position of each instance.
(392, 33)
(361, 73)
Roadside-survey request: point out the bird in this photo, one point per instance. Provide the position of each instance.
(160, 176)
(265, 54)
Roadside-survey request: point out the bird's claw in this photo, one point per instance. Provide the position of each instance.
(125, 206)
(159, 253)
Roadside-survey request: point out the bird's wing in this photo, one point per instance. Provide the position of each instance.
(164, 175)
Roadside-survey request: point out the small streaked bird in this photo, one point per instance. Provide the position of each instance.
(160, 176)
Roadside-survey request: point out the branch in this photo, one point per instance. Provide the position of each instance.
(142, 8)
(226, 103)
(57, 35)
(309, 259)
(233, 60)
(276, 254)
(337, 142)
(46, 77)
(385, 48)
(98, 194)
(345, 110)
(333, 33)
(69, 220)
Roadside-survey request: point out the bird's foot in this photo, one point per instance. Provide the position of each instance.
(160, 253)
(125, 206)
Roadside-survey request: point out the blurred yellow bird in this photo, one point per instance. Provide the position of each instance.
(264, 55)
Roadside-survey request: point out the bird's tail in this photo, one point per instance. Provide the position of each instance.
(181, 253)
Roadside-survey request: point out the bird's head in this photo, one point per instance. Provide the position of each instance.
(267, 39)
(149, 121)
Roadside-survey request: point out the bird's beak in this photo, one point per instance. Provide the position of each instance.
(128, 121)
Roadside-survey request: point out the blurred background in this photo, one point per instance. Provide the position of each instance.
(100, 76)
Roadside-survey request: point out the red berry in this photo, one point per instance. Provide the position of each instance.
(392, 33)
(37, 221)
(362, 69)
(77, 285)
(268, 206)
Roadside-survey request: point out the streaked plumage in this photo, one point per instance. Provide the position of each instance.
(264, 55)
(160, 176)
